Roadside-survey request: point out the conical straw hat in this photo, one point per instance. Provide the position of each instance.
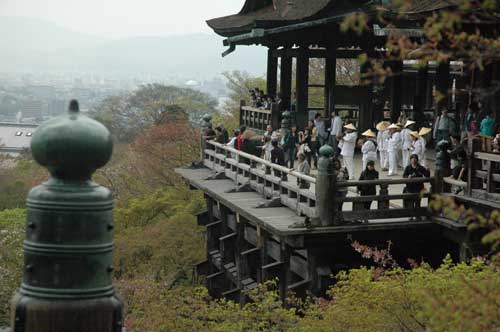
(424, 131)
(409, 123)
(381, 126)
(350, 126)
(369, 133)
(393, 126)
(415, 134)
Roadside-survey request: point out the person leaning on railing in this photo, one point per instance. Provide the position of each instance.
(459, 155)
(413, 171)
(341, 175)
(277, 154)
(303, 167)
(368, 174)
(208, 135)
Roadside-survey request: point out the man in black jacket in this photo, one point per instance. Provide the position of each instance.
(412, 171)
(277, 154)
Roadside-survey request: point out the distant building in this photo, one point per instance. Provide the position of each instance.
(41, 91)
(32, 109)
(192, 83)
(15, 138)
(56, 107)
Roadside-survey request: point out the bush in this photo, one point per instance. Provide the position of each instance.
(11, 257)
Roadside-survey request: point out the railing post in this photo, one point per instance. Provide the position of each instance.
(68, 249)
(383, 203)
(442, 167)
(242, 113)
(473, 182)
(207, 122)
(325, 191)
(275, 116)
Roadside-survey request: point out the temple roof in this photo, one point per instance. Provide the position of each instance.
(267, 13)
(425, 6)
(277, 13)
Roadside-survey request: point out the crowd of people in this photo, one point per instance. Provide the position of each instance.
(261, 100)
(394, 147)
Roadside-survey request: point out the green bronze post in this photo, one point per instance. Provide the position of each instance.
(207, 123)
(68, 250)
(324, 188)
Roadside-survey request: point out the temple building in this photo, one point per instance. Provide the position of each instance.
(295, 32)
(265, 221)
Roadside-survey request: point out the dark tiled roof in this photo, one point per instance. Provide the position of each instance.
(277, 11)
(274, 13)
(424, 6)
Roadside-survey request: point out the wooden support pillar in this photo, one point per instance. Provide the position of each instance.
(429, 100)
(285, 277)
(272, 73)
(442, 85)
(366, 110)
(330, 80)
(396, 89)
(495, 69)
(419, 99)
(240, 238)
(302, 79)
(286, 82)
(473, 182)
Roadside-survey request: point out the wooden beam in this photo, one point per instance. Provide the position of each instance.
(330, 81)
(272, 73)
(323, 53)
(396, 89)
(302, 80)
(442, 84)
(366, 110)
(286, 82)
(419, 98)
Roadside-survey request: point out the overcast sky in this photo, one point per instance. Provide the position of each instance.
(124, 18)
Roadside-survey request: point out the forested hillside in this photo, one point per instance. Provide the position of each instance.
(158, 242)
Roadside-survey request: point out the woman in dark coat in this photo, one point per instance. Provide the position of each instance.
(412, 171)
(369, 173)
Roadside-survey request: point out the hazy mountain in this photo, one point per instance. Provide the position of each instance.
(37, 45)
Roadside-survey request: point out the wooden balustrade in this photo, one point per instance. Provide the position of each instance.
(258, 119)
(273, 181)
(386, 207)
(482, 178)
(297, 191)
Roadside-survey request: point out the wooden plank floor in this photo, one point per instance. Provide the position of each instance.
(275, 220)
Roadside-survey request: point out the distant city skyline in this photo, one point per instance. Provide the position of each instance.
(124, 18)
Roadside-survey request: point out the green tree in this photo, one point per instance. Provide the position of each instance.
(128, 115)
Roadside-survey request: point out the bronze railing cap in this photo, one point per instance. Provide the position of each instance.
(72, 145)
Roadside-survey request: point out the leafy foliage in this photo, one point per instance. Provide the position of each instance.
(11, 257)
(127, 116)
(450, 298)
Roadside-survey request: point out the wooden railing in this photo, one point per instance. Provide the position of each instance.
(258, 119)
(297, 191)
(387, 206)
(489, 173)
(482, 179)
(271, 180)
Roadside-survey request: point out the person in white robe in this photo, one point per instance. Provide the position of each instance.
(348, 143)
(369, 147)
(406, 141)
(382, 143)
(394, 148)
(418, 146)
